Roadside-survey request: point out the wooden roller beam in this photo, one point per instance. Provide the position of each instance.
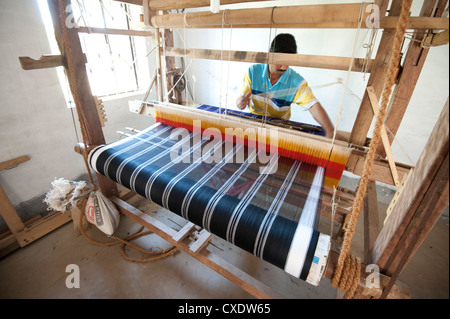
(182, 4)
(308, 61)
(306, 14)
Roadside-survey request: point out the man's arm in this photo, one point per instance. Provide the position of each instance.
(243, 100)
(321, 116)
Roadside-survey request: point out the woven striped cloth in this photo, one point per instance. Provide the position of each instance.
(229, 190)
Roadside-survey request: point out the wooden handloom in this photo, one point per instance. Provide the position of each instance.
(422, 190)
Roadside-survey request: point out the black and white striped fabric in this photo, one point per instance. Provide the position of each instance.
(223, 188)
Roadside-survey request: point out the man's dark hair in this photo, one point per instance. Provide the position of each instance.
(284, 43)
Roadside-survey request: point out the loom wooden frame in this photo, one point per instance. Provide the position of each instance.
(391, 246)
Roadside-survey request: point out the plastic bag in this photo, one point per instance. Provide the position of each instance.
(101, 212)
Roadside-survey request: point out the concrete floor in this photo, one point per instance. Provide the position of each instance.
(39, 269)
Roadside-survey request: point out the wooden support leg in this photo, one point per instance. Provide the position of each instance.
(70, 46)
(9, 214)
(377, 78)
(371, 223)
(419, 205)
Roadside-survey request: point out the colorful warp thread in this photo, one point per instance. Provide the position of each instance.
(313, 150)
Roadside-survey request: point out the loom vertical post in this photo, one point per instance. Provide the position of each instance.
(70, 46)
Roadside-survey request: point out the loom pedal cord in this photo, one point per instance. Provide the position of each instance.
(155, 255)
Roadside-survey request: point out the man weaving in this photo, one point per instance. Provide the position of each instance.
(271, 89)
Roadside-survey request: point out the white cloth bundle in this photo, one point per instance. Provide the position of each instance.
(65, 194)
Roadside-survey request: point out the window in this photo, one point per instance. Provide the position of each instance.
(116, 63)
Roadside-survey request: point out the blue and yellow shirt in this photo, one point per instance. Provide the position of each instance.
(275, 100)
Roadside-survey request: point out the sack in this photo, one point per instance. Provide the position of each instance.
(101, 212)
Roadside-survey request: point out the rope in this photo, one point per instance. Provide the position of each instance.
(340, 272)
(155, 255)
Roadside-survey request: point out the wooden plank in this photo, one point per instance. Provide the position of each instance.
(182, 4)
(8, 241)
(437, 39)
(301, 16)
(44, 62)
(414, 23)
(381, 171)
(427, 214)
(398, 193)
(309, 61)
(371, 222)
(377, 78)
(384, 137)
(9, 214)
(230, 272)
(184, 232)
(135, 2)
(70, 46)
(42, 227)
(415, 190)
(304, 14)
(135, 33)
(203, 239)
(14, 162)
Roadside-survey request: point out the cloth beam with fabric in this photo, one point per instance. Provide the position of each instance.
(268, 208)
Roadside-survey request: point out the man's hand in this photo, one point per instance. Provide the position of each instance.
(243, 100)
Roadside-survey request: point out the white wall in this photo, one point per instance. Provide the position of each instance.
(34, 118)
(215, 82)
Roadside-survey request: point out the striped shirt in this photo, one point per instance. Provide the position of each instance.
(275, 100)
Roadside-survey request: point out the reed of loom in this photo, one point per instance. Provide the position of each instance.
(301, 146)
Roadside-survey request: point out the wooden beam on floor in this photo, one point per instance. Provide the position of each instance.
(24, 233)
(227, 270)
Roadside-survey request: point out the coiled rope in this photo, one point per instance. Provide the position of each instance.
(154, 255)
